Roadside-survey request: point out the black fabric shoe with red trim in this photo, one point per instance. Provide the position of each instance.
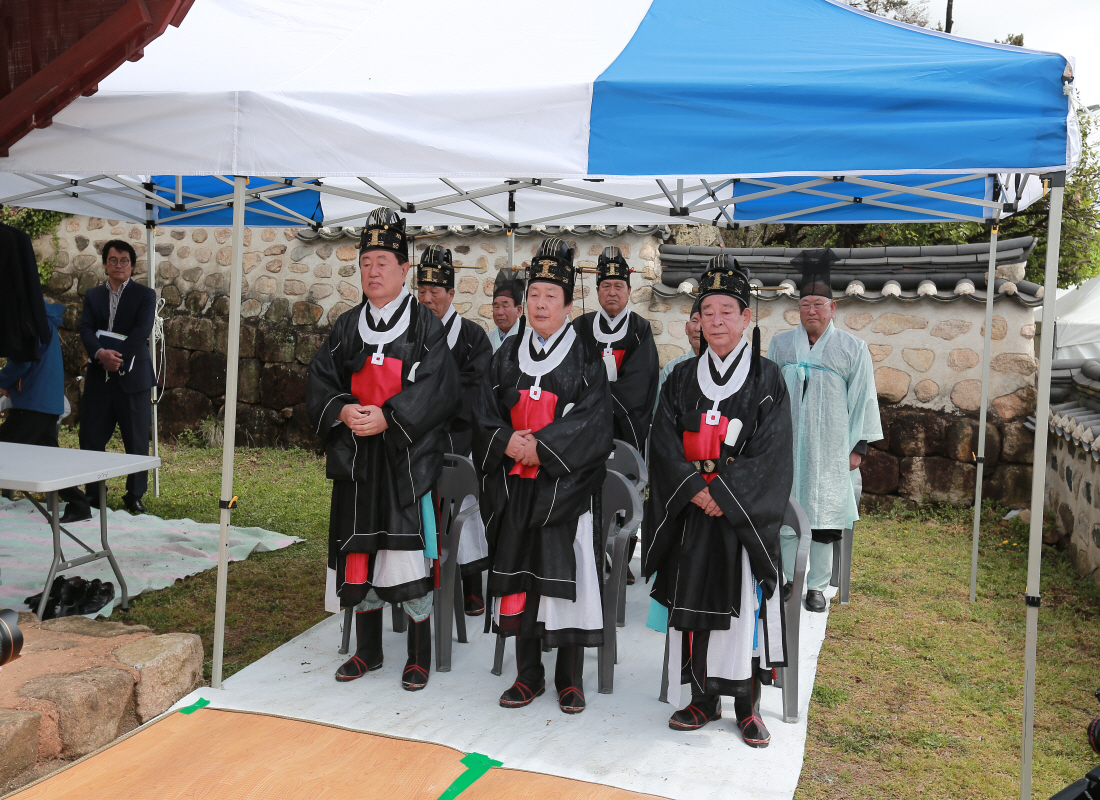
(747, 709)
(519, 694)
(571, 700)
(415, 675)
(702, 710)
(368, 647)
(474, 606)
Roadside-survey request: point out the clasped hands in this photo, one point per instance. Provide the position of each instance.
(363, 420)
(706, 502)
(523, 449)
(110, 359)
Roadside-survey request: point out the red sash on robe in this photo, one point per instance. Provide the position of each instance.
(532, 415)
(706, 444)
(373, 385)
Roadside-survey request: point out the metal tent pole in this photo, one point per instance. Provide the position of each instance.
(983, 412)
(229, 432)
(151, 266)
(1038, 478)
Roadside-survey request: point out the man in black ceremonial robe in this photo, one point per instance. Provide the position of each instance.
(541, 443)
(623, 341)
(380, 393)
(720, 480)
(435, 288)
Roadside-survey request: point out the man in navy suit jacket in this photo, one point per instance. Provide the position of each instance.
(114, 327)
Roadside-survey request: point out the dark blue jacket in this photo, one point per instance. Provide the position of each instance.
(133, 319)
(39, 385)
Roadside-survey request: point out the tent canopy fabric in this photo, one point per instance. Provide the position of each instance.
(1077, 322)
(760, 106)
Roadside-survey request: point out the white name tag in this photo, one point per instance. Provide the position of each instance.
(714, 416)
(377, 359)
(535, 392)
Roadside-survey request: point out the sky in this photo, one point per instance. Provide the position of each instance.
(1069, 27)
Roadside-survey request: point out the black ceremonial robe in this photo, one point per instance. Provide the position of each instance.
(469, 345)
(378, 480)
(706, 566)
(531, 522)
(637, 367)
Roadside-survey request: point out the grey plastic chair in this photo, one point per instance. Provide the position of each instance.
(626, 460)
(842, 552)
(786, 677)
(458, 480)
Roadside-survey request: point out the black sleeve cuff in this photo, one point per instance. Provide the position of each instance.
(861, 447)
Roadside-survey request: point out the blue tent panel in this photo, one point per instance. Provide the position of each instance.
(306, 202)
(812, 87)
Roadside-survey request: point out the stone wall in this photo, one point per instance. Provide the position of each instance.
(1073, 494)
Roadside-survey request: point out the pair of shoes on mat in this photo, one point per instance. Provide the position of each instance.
(368, 652)
(815, 601)
(704, 709)
(531, 683)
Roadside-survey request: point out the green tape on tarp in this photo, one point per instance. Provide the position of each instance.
(202, 702)
(476, 766)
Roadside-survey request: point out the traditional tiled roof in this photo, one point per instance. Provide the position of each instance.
(1075, 403)
(608, 231)
(871, 274)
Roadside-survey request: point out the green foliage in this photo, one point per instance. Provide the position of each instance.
(35, 223)
(828, 697)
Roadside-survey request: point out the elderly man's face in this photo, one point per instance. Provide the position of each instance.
(382, 276)
(505, 312)
(694, 329)
(546, 308)
(723, 322)
(816, 313)
(118, 266)
(436, 298)
(613, 295)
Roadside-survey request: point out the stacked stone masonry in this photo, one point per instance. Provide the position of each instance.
(927, 355)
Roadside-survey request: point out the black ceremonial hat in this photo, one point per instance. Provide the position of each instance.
(816, 266)
(384, 230)
(553, 263)
(436, 268)
(724, 276)
(612, 264)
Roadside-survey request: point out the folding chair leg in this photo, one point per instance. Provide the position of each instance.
(498, 656)
(846, 565)
(834, 579)
(458, 608)
(400, 619)
(664, 675)
(442, 632)
(345, 638)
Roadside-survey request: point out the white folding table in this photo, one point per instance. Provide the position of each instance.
(30, 468)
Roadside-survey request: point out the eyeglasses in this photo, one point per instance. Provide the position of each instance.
(818, 306)
(118, 262)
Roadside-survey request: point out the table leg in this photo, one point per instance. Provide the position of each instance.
(55, 524)
(107, 547)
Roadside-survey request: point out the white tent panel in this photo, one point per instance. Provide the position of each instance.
(1077, 326)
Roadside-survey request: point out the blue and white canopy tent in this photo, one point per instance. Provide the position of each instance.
(734, 112)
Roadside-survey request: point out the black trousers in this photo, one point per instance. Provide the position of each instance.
(36, 427)
(106, 406)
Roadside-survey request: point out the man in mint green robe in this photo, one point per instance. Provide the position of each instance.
(834, 407)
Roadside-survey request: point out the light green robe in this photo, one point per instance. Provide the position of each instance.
(838, 410)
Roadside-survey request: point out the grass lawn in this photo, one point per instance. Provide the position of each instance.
(918, 692)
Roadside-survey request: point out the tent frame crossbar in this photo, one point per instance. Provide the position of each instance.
(186, 204)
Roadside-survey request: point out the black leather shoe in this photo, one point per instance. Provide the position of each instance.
(702, 710)
(74, 513)
(368, 647)
(786, 591)
(133, 504)
(815, 601)
(474, 606)
(99, 594)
